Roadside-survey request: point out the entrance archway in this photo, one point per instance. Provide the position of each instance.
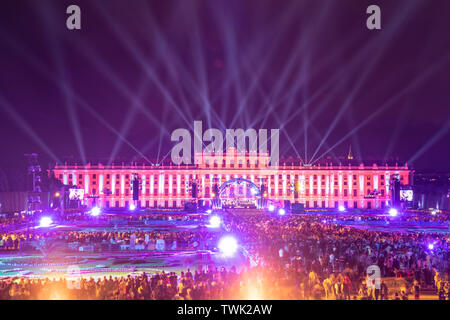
(237, 197)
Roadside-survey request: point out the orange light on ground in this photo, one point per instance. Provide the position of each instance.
(254, 294)
(58, 295)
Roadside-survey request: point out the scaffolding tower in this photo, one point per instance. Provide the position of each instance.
(33, 182)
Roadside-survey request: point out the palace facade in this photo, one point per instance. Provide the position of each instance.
(324, 185)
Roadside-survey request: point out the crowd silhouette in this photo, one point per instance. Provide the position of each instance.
(292, 257)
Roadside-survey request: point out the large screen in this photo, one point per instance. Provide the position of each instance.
(406, 195)
(76, 194)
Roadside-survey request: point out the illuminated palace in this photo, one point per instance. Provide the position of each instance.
(325, 185)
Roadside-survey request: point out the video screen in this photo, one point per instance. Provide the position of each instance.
(406, 195)
(76, 194)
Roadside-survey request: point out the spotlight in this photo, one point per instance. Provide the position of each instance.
(57, 194)
(45, 222)
(95, 211)
(393, 212)
(215, 221)
(433, 212)
(132, 207)
(209, 211)
(271, 207)
(431, 246)
(228, 246)
(281, 212)
(341, 208)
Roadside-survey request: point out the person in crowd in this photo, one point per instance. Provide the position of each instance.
(384, 291)
(416, 289)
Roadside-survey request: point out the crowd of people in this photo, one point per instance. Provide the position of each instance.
(291, 257)
(252, 283)
(106, 240)
(332, 258)
(31, 220)
(30, 233)
(206, 284)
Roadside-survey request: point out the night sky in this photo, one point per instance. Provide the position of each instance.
(141, 69)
